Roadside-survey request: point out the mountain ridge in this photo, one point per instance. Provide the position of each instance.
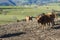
(26, 2)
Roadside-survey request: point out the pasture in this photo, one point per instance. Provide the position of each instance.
(23, 30)
(20, 12)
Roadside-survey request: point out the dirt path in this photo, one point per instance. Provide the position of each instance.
(28, 31)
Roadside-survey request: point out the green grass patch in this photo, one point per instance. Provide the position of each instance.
(20, 13)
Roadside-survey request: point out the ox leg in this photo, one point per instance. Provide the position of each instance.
(44, 26)
(49, 24)
(53, 23)
(41, 25)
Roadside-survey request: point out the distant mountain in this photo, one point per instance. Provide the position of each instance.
(7, 3)
(25, 2)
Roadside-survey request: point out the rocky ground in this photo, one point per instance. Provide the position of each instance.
(28, 31)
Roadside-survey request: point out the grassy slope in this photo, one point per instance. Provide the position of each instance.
(22, 12)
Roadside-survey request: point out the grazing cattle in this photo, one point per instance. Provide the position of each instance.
(42, 19)
(37, 17)
(46, 19)
(52, 16)
(28, 18)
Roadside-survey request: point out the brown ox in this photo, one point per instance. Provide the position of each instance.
(51, 16)
(28, 18)
(46, 19)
